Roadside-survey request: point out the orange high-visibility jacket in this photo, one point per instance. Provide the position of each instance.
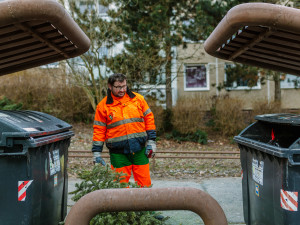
(125, 124)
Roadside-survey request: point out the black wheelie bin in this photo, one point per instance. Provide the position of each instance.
(33, 173)
(270, 160)
(34, 145)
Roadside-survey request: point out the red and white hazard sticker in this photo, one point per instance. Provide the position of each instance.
(22, 187)
(289, 200)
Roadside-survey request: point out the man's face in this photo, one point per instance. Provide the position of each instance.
(119, 88)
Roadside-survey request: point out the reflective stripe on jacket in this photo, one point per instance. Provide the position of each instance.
(124, 125)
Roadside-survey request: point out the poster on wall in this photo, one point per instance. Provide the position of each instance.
(196, 77)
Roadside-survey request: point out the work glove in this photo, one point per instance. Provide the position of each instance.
(150, 149)
(98, 159)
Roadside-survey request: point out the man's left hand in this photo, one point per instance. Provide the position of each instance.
(150, 149)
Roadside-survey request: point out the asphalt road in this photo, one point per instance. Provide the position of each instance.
(226, 191)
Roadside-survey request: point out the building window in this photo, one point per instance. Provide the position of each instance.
(103, 51)
(241, 77)
(50, 65)
(289, 81)
(87, 7)
(196, 78)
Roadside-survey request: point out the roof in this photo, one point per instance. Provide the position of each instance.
(37, 32)
(259, 34)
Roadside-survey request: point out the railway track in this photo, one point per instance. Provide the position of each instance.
(169, 154)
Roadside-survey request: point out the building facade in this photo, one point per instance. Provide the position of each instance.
(199, 74)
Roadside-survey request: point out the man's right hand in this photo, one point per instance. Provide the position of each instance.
(98, 159)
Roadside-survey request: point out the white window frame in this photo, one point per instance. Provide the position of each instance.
(235, 87)
(196, 88)
(285, 84)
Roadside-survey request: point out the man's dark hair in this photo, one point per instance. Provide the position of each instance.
(116, 77)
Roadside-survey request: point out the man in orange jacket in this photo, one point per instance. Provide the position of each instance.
(124, 121)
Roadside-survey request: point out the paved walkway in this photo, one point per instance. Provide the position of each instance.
(227, 192)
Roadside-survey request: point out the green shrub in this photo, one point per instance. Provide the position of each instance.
(100, 177)
(199, 136)
(7, 104)
(210, 123)
(167, 124)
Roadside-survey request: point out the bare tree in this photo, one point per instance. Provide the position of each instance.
(89, 70)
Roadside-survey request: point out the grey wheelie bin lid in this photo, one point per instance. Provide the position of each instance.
(280, 118)
(31, 128)
(275, 134)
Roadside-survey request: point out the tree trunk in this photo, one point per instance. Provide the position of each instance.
(169, 101)
(277, 90)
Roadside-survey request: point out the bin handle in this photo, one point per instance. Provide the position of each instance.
(291, 160)
(52, 138)
(23, 153)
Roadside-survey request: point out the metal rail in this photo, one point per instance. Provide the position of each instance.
(175, 154)
(146, 199)
(172, 152)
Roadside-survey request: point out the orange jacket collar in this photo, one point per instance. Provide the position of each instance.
(111, 97)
